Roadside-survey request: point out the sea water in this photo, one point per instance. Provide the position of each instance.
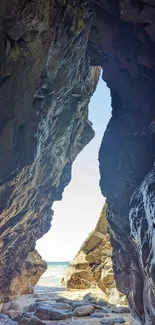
(50, 281)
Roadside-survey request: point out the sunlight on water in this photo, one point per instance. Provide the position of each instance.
(51, 279)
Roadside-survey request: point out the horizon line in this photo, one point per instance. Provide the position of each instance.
(57, 261)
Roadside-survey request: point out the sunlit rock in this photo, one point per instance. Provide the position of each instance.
(93, 264)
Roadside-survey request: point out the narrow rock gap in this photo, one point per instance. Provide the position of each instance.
(82, 200)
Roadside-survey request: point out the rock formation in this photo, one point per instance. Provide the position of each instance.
(48, 57)
(93, 264)
(28, 276)
(125, 34)
(46, 82)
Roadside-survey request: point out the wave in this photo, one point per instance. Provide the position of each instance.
(52, 277)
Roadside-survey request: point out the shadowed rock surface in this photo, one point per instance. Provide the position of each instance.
(5, 320)
(125, 49)
(50, 313)
(46, 81)
(46, 84)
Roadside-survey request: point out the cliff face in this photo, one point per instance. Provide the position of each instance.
(46, 81)
(93, 264)
(125, 34)
(45, 86)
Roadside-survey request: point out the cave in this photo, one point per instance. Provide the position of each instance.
(82, 199)
(50, 58)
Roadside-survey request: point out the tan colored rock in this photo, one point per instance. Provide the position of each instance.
(93, 240)
(93, 264)
(29, 275)
(83, 311)
(102, 223)
(78, 275)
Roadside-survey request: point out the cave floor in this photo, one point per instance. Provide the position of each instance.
(51, 297)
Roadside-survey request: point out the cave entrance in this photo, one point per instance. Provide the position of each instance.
(77, 214)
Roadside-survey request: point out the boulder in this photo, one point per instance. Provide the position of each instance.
(12, 309)
(91, 297)
(103, 303)
(85, 303)
(33, 307)
(120, 310)
(83, 311)
(46, 312)
(79, 304)
(58, 305)
(66, 300)
(5, 320)
(29, 319)
(61, 306)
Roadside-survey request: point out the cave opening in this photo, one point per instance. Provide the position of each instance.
(76, 215)
(48, 58)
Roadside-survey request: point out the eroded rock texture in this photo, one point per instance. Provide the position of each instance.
(93, 265)
(45, 86)
(122, 42)
(29, 274)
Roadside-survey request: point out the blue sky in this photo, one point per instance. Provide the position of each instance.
(76, 215)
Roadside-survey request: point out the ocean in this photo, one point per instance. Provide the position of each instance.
(50, 281)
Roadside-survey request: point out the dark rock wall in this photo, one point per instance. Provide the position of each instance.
(45, 86)
(122, 42)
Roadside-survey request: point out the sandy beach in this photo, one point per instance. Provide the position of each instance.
(49, 293)
(74, 295)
